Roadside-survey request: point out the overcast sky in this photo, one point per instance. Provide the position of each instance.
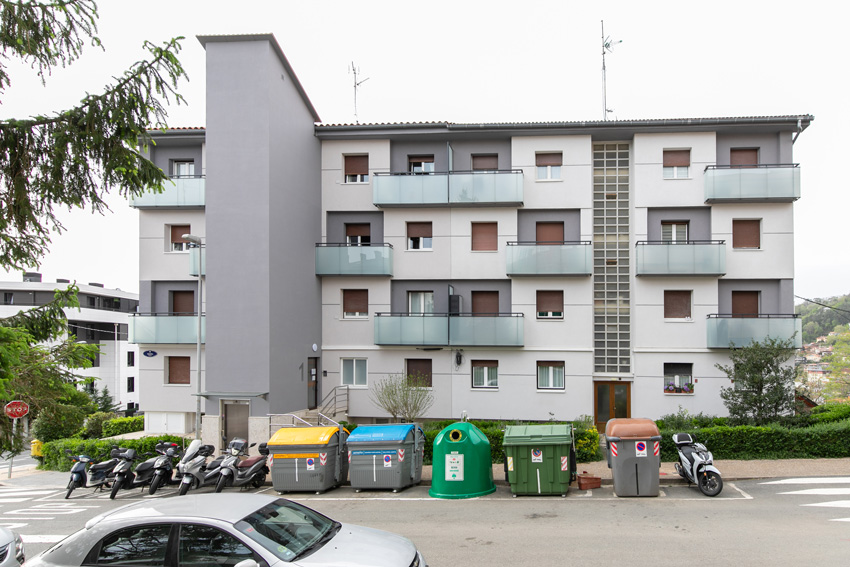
(489, 61)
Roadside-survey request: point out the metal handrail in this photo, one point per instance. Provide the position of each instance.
(405, 314)
(751, 166)
(347, 245)
(753, 316)
(334, 400)
(548, 242)
(672, 242)
(416, 173)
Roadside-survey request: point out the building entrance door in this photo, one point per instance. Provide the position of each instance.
(312, 383)
(235, 420)
(611, 399)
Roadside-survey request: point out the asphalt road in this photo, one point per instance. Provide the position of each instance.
(778, 522)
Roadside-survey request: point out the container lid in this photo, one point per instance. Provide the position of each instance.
(631, 428)
(372, 433)
(303, 436)
(554, 434)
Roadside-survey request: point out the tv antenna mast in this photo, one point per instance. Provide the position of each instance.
(356, 71)
(607, 46)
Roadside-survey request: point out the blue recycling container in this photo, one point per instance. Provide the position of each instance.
(386, 456)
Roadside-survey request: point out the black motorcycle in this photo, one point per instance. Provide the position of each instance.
(164, 465)
(125, 477)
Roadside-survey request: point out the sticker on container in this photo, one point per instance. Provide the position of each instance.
(640, 449)
(323, 459)
(388, 461)
(349, 457)
(565, 463)
(536, 455)
(401, 455)
(656, 449)
(311, 464)
(510, 464)
(613, 448)
(454, 467)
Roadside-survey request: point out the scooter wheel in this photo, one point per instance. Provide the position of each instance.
(221, 483)
(71, 486)
(116, 486)
(710, 483)
(157, 480)
(258, 481)
(184, 488)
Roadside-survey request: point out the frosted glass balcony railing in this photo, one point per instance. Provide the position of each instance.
(455, 188)
(442, 329)
(549, 259)
(723, 330)
(683, 258)
(184, 192)
(347, 260)
(155, 328)
(195, 255)
(757, 183)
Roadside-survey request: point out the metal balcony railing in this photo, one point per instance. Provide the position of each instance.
(166, 328)
(681, 258)
(502, 187)
(762, 182)
(549, 258)
(183, 192)
(723, 330)
(445, 329)
(374, 259)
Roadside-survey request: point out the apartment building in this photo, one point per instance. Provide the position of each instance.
(101, 319)
(526, 271)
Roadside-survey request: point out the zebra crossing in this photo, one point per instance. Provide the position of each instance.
(820, 487)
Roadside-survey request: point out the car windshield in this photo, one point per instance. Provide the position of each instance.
(287, 529)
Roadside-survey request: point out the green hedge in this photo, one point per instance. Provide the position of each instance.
(747, 442)
(122, 425)
(55, 458)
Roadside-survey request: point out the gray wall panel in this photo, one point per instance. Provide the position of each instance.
(527, 220)
(699, 221)
(338, 220)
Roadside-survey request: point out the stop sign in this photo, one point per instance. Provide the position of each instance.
(17, 409)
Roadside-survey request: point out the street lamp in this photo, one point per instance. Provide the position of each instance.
(196, 241)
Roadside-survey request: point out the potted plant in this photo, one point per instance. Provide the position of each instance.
(670, 388)
(688, 388)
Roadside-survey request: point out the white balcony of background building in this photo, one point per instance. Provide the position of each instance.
(178, 192)
(503, 187)
(756, 183)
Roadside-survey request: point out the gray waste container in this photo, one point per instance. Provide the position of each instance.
(634, 456)
(386, 456)
(308, 458)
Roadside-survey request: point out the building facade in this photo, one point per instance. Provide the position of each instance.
(102, 319)
(526, 271)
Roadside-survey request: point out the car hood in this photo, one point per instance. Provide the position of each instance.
(356, 546)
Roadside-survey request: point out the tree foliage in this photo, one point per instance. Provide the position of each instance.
(838, 364)
(763, 386)
(404, 397)
(819, 320)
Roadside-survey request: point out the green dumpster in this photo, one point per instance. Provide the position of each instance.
(462, 467)
(539, 459)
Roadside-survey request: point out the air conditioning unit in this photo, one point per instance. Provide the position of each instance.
(455, 304)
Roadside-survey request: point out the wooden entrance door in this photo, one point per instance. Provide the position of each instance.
(611, 399)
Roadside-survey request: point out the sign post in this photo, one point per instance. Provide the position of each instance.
(15, 410)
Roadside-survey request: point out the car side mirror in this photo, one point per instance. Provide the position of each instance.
(247, 563)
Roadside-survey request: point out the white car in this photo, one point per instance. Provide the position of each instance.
(11, 548)
(244, 530)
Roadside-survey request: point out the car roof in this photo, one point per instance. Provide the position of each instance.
(226, 507)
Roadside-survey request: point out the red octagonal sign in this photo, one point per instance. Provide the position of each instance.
(17, 409)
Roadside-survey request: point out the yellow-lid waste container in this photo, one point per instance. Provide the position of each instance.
(634, 456)
(308, 459)
(386, 456)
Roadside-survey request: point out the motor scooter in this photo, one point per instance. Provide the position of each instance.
(98, 474)
(164, 465)
(193, 467)
(237, 469)
(696, 465)
(125, 478)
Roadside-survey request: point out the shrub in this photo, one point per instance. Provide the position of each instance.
(58, 422)
(56, 459)
(122, 425)
(830, 411)
(93, 426)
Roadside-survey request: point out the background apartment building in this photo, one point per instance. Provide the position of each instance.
(101, 319)
(528, 271)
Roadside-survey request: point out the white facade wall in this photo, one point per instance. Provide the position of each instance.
(775, 257)
(156, 260)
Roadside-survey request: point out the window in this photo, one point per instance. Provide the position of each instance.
(677, 304)
(183, 302)
(177, 242)
(549, 165)
(8, 298)
(550, 304)
(131, 384)
(746, 233)
(674, 231)
(355, 303)
(131, 358)
(419, 302)
(358, 234)
(485, 163)
(677, 164)
(202, 546)
(678, 378)
(745, 303)
(183, 169)
(743, 157)
(550, 233)
(419, 236)
(485, 303)
(485, 373)
(357, 169)
(419, 369)
(354, 372)
(178, 370)
(485, 236)
(420, 164)
(140, 545)
(550, 375)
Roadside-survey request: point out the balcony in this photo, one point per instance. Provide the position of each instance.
(448, 189)
(442, 329)
(779, 183)
(195, 256)
(682, 258)
(549, 259)
(183, 192)
(157, 328)
(739, 331)
(347, 260)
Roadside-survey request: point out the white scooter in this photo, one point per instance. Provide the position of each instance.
(193, 466)
(696, 465)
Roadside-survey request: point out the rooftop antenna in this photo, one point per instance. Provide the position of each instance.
(356, 71)
(607, 46)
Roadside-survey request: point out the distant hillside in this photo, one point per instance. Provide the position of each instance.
(819, 320)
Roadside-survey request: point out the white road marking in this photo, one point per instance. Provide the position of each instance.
(744, 494)
(23, 492)
(821, 480)
(834, 504)
(821, 491)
